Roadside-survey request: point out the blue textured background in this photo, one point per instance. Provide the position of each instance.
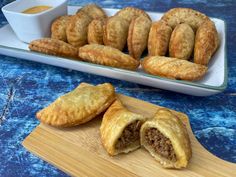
(26, 87)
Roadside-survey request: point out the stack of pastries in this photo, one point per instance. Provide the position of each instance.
(91, 36)
(121, 130)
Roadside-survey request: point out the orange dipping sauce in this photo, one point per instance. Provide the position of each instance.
(36, 9)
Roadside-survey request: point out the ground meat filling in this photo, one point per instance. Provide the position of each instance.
(129, 135)
(160, 143)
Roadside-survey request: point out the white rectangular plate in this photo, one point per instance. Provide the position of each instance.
(215, 81)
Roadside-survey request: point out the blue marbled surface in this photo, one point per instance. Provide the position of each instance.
(26, 87)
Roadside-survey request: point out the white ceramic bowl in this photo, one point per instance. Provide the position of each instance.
(28, 27)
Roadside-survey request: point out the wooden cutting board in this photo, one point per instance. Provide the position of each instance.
(78, 151)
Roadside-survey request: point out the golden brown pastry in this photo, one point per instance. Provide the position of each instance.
(78, 106)
(77, 29)
(95, 31)
(105, 55)
(159, 37)
(58, 28)
(129, 13)
(93, 10)
(175, 16)
(167, 140)
(206, 42)
(54, 47)
(138, 36)
(120, 129)
(173, 68)
(181, 42)
(115, 32)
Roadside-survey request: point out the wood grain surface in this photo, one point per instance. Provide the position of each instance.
(78, 151)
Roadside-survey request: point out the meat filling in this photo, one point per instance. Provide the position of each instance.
(129, 135)
(160, 143)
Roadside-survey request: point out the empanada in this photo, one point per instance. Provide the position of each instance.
(77, 29)
(181, 42)
(173, 68)
(128, 13)
(206, 42)
(78, 106)
(115, 32)
(54, 47)
(105, 55)
(167, 140)
(120, 129)
(58, 28)
(138, 36)
(176, 16)
(95, 31)
(93, 10)
(159, 37)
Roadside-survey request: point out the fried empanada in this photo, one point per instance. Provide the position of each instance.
(159, 37)
(78, 106)
(138, 36)
(173, 68)
(77, 29)
(115, 32)
(105, 55)
(129, 13)
(206, 43)
(176, 16)
(93, 10)
(54, 47)
(58, 28)
(167, 140)
(95, 31)
(181, 42)
(120, 129)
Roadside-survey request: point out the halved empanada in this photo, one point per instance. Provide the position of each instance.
(166, 138)
(120, 129)
(78, 106)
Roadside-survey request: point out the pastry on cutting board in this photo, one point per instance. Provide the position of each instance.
(159, 37)
(120, 129)
(54, 47)
(105, 55)
(167, 140)
(206, 43)
(78, 106)
(93, 10)
(181, 42)
(77, 29)
(138, 36)
(173, 68)
(115, 32)
(58, 28)
(128, 13)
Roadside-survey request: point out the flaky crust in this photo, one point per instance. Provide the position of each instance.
(173, 68)
(95, 31)
(206, 43)
(114, 121)
(93, 10)
(77, 29)
(54, 47)
(58, 28)
(128, 13)
(105, 55)
(138, 36)
(78, 106)
(115, 32)
(181, 42)
(159, 37)
(175, 16)
(172, 128)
